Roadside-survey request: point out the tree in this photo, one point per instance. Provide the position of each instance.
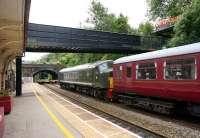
(97, 13)
(187, 29)
(146, 29)
(166, 8)
(102, 20)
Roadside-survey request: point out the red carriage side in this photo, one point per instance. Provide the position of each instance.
(165, 75)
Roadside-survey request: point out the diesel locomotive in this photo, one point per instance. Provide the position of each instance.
(94, 79)
(162, 81)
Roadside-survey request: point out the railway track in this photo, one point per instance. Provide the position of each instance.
(98, 107)
(145, 133)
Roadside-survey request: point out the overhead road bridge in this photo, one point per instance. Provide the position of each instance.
(47, 38)
(30, 70)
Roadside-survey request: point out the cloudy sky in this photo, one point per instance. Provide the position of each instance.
(71, 13)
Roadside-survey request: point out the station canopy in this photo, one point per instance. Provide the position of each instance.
(13, 20)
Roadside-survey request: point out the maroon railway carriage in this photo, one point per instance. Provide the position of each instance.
(160, 80)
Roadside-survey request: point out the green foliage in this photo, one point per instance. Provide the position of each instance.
(50, 77)
(102, 20)
(187, 29)
(146, 29)
(50, 58)
(98, 16)
(4, 93)
(166, 8)
(71, 59)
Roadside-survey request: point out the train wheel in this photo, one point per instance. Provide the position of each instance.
(194, 109)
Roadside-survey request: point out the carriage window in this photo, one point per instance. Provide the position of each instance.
(65, 76)
(119, 72)
(146, 71)
(181, 69)
(128, 71)
(75, 75)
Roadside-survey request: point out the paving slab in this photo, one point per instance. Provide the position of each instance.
(81, 119)
(29, 119)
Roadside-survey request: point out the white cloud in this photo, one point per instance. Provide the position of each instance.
(30, 56)
(134, 9)
(71, 12)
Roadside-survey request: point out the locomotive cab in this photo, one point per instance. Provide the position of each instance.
(106, 73)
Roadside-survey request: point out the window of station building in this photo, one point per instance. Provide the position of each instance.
(180, 69)
(128, 71)
(146, 71)
(119, 72)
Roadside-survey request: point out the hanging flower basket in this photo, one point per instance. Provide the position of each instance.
(6, 100)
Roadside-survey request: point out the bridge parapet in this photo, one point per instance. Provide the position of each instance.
(28, 70)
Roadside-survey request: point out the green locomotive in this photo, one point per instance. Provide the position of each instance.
(94, 79)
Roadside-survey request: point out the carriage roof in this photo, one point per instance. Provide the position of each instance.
(84, 66)
(181, 50)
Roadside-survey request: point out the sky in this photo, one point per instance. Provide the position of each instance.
(70, 13)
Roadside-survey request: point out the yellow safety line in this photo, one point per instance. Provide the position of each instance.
(54, 118)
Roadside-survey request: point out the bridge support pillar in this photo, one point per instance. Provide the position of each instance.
(18, 76)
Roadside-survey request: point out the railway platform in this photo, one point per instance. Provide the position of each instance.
(40, 113)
